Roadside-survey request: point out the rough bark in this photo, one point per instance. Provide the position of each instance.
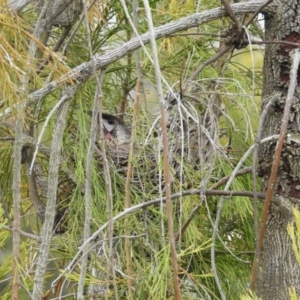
(280, 268)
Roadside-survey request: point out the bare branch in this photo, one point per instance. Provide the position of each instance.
(196, 209)
(166, 163)
(230, 12)
(127, 186)
(145, 204)
(83, 72)
(219, 54)
(17, 204)
(17, 5)
(54, 162)
(259, 10)
(24, 233)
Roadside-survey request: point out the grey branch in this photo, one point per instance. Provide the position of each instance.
(17, 5)
(83, 72)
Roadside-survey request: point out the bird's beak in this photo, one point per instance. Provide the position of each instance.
(108, 136)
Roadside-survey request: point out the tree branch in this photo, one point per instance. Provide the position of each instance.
(166, 162)
(83, 72)
(145, 204)
(54, 163)
(196, 209)
(24, 233)
(230, 12)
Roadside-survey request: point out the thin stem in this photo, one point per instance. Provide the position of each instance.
(196, 209)
(89, 164)
(16, 205)
(230, 12)
(166, 170)
(127, 188)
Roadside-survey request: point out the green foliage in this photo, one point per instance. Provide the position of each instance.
(294, 234)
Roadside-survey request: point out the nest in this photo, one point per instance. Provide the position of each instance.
(191, 147)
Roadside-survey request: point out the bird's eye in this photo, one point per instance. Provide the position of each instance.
(111, 122)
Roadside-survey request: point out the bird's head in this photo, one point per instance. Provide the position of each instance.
(115, 129)
(109, 124)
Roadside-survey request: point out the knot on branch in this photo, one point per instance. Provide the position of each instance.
(236, 36)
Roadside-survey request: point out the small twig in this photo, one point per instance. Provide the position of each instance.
(227, 47)
(257, 12)
(275, 43)
(64, 50)
(31, 142)
(254, 42)
(145, 204)
(7, 139)
(295, 56)
(198, 33)
(226, 178)
(230, 13)
(54, 49)
(89, 160)
(167, 177)
(24, 233)
(25, 288)
(17, 204)
(31, 180)
(127, 187)
(196, 209)
(219, 54)
(109, 201)
(126, 84)
(56, 106)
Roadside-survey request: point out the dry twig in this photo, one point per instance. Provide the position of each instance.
(167, 178)
(127, 187)
(89, 163)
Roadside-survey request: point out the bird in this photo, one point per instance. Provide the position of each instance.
(116, 133)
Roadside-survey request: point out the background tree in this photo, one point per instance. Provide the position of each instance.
(154, 222)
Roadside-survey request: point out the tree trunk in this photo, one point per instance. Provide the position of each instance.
(280, 268)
